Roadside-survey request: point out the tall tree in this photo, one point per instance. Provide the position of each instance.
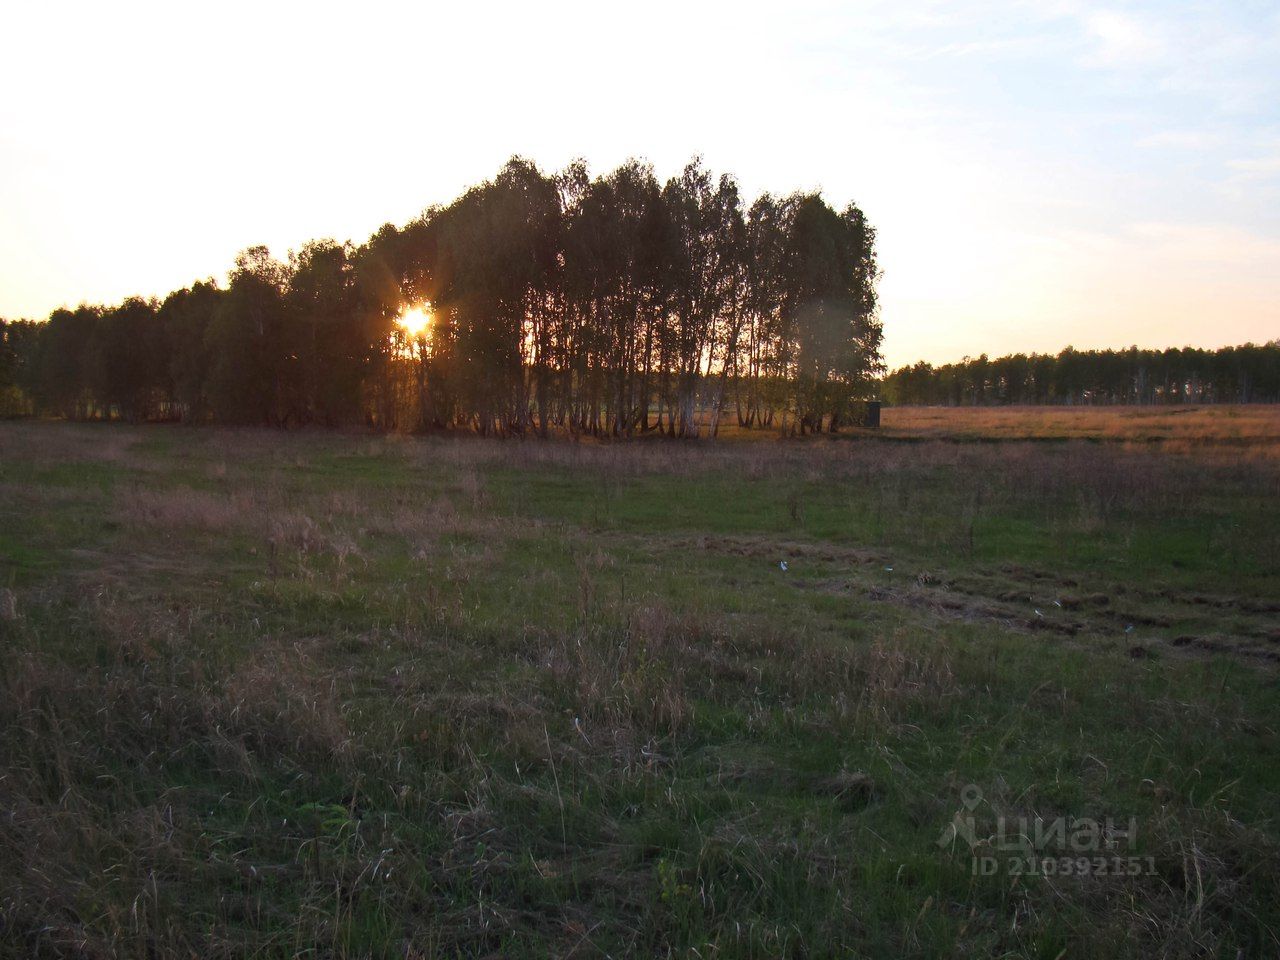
(127, 366)
(325, 332)
(705, 217)
(188, 314)
(251, 376)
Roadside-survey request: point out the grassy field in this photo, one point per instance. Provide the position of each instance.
(1249, 430)
(265, 694)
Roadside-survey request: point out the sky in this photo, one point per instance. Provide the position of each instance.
(1040, 174)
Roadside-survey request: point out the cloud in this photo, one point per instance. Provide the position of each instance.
(1173, 243)
(1166, 244)
(1123, 40)
(1181, 140)
(1252, 180)
(1256, 168)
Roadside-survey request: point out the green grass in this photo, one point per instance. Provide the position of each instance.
(267, 694)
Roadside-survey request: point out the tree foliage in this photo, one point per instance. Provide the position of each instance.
(609, 305)
(1244, 374)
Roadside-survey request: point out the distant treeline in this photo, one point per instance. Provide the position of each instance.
(609, 305)
(1245, 374)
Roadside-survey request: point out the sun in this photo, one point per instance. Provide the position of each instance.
(415, 321)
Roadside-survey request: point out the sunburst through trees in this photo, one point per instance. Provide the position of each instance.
(611, 305)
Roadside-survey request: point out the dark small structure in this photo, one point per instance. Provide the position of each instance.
(871, 418)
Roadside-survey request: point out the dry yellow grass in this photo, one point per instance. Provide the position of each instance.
(1255, 424)
(1178, 429)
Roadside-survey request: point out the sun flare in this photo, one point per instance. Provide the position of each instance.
(415, 321)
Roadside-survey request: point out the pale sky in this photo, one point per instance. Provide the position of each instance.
(1040, 173)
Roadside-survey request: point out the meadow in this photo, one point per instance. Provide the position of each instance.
(1253, 430)
(269, 694)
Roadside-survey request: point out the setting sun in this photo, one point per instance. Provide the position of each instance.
(415, 321)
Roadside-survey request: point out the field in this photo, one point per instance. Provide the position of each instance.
(1251, 430)
(265, 694)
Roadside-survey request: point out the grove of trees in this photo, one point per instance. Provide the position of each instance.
(611, 305)
(1244, 374)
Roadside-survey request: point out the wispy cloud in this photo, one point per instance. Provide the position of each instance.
(1172, 242)
(1195, 140)
(1123, 39)
(1257, 168)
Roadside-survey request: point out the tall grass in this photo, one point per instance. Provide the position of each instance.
(270, 695)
